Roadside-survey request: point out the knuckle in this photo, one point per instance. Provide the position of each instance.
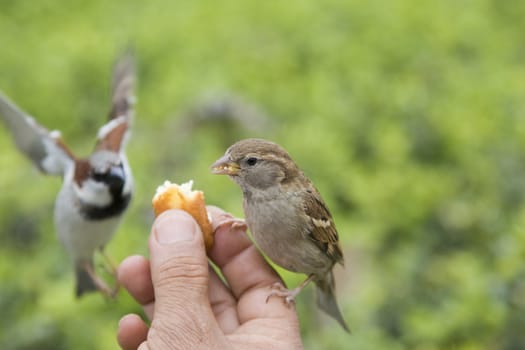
(184, 272)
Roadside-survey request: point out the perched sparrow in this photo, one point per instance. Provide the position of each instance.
(288, 218)
(96, 190)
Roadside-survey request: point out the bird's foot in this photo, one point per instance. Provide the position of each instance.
(278, 289)
(288, 295)
(114, 291)
(234, 224)
(101, 285)
(109, 265)
(108, 292)
(239, 224)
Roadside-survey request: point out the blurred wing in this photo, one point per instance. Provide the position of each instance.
(44, 148)
(112, 136)
(323, 232)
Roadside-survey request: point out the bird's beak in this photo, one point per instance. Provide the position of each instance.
(116, 174)
(115, 178)
(224, 166)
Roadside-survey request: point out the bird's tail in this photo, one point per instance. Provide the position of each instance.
(326, 299)
(85, 283)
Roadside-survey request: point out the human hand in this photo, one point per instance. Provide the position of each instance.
(188, 304)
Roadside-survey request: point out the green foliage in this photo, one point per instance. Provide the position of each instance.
(409, 117)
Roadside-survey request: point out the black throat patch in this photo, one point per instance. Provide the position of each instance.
(118, 205)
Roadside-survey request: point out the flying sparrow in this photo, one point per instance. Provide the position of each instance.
(96, 190)
(288, 218)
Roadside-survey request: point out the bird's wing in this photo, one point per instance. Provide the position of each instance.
(46, 149)
(323, 231)
(113, 135)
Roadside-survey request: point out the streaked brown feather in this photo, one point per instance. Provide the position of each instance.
(113, 140)
(122, 101)
(82, 171)
(324, 232)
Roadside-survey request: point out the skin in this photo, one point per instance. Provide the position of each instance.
(187, 302)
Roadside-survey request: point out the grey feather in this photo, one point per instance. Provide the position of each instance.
(42, 147)
(326, 298)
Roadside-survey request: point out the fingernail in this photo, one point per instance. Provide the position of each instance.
(175, 226)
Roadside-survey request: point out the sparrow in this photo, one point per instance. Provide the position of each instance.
(96, 190)
(287, 217)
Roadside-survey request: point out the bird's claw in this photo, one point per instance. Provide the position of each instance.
(110, 293)
(278, 290)
(101, 285)
(109, 265)
(234, 224)
(239, 224)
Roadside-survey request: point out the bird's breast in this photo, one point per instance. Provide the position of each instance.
(281, 233)
(80, 235)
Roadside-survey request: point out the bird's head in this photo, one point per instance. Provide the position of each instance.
(102, 178)
(256, 164)
(108, 168)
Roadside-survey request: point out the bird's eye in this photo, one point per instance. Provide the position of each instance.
(251, 161)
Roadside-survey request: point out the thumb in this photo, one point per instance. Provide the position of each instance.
(179, 269)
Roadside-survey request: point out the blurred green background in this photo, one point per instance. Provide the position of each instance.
(409, 116)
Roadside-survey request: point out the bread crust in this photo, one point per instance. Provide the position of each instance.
(174, 196)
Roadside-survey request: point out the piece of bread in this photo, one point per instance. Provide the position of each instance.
(173, 196)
